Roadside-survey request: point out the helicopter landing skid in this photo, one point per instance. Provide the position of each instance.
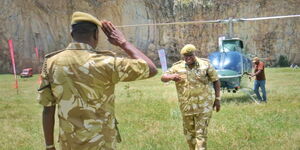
(247, 91)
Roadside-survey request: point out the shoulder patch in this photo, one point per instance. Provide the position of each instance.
(105, 52)
(178, 62)
(53, 53)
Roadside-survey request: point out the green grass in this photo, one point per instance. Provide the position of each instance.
(149, 116)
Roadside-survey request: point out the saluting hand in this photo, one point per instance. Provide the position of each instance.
(114, 35)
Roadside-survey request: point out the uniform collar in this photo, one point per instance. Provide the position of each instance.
(196, 63)
(79, 46)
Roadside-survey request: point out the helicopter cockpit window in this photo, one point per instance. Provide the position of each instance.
(233, 45)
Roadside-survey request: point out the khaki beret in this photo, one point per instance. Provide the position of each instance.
(81, 16)
(188, 49)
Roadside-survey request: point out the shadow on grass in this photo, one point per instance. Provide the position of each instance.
(242, 96)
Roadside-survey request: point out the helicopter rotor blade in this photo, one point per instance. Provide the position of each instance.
(209, 21)
(267, 18)
(171, 23)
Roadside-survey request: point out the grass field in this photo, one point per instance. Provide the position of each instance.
(150, 119)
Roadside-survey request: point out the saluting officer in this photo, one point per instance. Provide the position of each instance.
(80, 81)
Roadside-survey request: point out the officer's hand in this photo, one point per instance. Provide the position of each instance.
(175, 77)
(114, 35)
(217, 105)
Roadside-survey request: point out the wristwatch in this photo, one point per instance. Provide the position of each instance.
(49, 146)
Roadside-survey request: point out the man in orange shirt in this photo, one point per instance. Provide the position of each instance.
(260, 79)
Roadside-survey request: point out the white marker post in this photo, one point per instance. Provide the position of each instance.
(163, 60)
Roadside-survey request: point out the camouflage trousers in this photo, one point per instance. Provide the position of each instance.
(195, 130)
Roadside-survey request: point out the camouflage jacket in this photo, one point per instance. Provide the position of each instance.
(195, 94)
(81, 82)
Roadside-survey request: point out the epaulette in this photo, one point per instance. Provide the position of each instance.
(178, 62)
(105, 52)
(53, 53)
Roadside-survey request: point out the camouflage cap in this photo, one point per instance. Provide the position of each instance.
(81, 16)
(188, 49)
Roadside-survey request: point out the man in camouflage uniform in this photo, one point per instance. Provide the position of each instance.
(192, 77)
(81, 82)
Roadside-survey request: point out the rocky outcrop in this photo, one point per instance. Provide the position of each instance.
(45, 24)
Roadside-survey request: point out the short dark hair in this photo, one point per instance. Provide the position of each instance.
(84, 29)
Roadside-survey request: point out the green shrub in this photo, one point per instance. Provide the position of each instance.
(283, 61)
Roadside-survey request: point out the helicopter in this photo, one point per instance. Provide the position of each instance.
(231, 61)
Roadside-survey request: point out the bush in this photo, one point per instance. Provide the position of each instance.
(283, 61)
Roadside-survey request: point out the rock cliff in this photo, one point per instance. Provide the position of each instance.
(45, 24)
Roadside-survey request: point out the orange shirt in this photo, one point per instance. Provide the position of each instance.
(261, 75)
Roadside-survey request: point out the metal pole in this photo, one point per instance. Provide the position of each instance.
(230, 27)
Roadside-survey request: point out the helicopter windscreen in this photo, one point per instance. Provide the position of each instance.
(230, 62)
(232, 45)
